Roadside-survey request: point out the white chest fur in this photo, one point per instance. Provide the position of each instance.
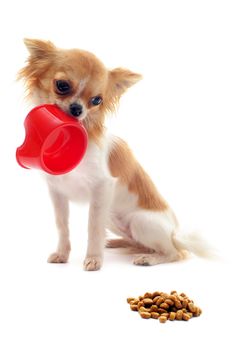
(77, 185)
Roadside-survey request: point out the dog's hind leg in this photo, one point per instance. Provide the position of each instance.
(118, 243)
(154, 229)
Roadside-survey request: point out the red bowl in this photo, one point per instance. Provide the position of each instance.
(54, 141)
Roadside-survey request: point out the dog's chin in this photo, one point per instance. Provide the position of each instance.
(80, 118)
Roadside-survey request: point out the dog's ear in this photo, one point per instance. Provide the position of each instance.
(42, 54)
(39, 49)
(121, 79)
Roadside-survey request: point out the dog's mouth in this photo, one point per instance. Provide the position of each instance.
(79, 118)
(74, 112)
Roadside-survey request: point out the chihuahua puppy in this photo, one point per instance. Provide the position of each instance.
(122, 197)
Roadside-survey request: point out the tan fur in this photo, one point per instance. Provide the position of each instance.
(123, 165)
(47, 62)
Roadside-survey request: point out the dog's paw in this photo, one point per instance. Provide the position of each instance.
(58, 258)
(92, 263)
(143, 260)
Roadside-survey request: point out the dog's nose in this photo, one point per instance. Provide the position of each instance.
(76, 109)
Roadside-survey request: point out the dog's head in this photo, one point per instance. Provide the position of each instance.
(75, 80)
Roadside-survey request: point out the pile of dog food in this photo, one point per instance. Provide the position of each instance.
(163, 306)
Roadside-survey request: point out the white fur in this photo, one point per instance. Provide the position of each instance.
(90, 181)
(113, 207)
(194, 243)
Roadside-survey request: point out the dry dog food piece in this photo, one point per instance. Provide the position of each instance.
(130, 299)
(174, 292)
(185, 316)
(147, 301)
(143, 309)
(159, 301)
(178, 304)
(191, 307)
(172, 316)
(154, 308)
(197, 312)
(170, 302)
(179, 315)
(162, 319)
(148, 295)
(163, 306)
(134, 307)
(140, 303)
(145, 314)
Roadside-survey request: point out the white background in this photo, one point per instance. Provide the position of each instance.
(178, 120)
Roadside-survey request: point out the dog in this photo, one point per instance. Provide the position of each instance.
(122, 197)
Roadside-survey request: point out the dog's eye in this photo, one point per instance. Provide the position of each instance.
(97, 100)
(63, 87)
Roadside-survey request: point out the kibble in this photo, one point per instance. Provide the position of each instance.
(163, 306)
(162, 319)
(161, 310)
(191, 307)
(155, 315)
(169, 302)
(134, 307)
(178, 304)
(148, 295)
(145, 314)
(185, 316)
(129, 300)
(143, 309)
(154, 308)
(140, 303)
(172, 316)
(179, 315)
(148, 301)
(159, 301)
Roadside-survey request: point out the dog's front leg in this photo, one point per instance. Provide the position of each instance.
(61, 209)
(100, 203)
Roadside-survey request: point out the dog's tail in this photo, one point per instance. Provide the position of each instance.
(193, 242)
